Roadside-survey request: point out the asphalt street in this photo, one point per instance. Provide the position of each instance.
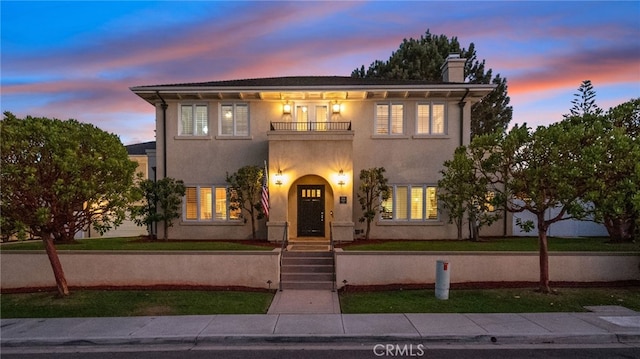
(356, 351)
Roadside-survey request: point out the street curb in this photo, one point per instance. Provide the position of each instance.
(484, 339)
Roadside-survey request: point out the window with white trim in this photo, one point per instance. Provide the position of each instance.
(430, 119)
(410, 203)
(194, 120)
(208, 203)
(389, 119)
(234, 119)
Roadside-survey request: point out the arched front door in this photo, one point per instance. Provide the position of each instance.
(311, 211)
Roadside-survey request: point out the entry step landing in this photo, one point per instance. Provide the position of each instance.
(310, 245)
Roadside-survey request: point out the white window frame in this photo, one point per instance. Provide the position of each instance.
(194, 106)
(389, 119)
(425, 207)
(430, 125)
(234, 119)
(199, 215)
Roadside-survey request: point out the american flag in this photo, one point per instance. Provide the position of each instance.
(265, 192)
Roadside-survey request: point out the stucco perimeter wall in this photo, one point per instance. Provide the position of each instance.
(238, 268)
(381, 268)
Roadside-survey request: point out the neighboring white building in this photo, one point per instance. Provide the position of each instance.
(565, 228)
(144, 155)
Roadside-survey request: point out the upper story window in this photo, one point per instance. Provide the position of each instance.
(194, 120)
(234, 119)
(411, 203)
(389, 119)
(430, 119)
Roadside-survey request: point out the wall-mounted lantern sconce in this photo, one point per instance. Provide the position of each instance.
(286, 109)
(279, 177)
(335, 108)
(341, 178)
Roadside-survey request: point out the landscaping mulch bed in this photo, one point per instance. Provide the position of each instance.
(491, 285)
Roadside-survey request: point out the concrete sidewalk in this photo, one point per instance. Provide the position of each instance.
(608, 324)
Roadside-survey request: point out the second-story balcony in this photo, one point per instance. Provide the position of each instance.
(310, 126)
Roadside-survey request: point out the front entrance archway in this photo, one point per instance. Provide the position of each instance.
(311, 211)
(310, 207)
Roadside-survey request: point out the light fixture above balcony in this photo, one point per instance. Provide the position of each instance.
(335, 107)
(286, 109)
(278, 177)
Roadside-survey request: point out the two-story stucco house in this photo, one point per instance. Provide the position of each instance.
(316, 134)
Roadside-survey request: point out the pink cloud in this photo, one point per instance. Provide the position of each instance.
(605, 66)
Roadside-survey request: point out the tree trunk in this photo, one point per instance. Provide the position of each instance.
(56, 266)
(473, 230)
(544, 255)
(619, 229)
(253, 226)
(459, 225)
(366, 235)
(166, 231)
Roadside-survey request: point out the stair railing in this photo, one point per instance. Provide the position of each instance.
(283, 248)
(333, 253)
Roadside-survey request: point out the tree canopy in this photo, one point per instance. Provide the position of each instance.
(616, 190)
(422, 59)
(584, 167)
(373, 190)
(245, 189)
(537, 171)
(60, 177)
(462, 191)
(161, 201)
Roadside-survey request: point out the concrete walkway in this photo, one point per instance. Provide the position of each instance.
(305, 302)
(605, 325)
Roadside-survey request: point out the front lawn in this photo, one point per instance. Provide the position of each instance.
(125, 303)
(135, 244)
(487, 300)
(516, 244)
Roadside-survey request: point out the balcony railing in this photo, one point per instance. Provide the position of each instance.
(310, 126)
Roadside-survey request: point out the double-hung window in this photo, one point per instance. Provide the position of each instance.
(208, 203)
(389, 119)
(430, 119)
(234, 119)
(194, 120)
(411, 203)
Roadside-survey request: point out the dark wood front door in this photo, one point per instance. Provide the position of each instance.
(311, 211)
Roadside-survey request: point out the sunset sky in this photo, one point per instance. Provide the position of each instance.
(78, 59)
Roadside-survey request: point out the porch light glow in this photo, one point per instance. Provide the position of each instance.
(335, 107)
(286, 109)
(341, 178)
(278, 177)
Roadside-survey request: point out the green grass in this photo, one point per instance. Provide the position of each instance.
(487, 300)
(524, 244)
(97, 303)
(134, 244)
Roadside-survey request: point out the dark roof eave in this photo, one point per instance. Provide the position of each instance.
(300, 83)
(212, 89)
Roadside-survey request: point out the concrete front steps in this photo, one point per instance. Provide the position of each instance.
(307, 270)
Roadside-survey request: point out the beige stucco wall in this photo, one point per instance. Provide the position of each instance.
(248, 269)
(380, 268)
(408, 159)
(255, 269)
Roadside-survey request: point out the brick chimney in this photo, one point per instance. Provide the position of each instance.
(453, 68)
